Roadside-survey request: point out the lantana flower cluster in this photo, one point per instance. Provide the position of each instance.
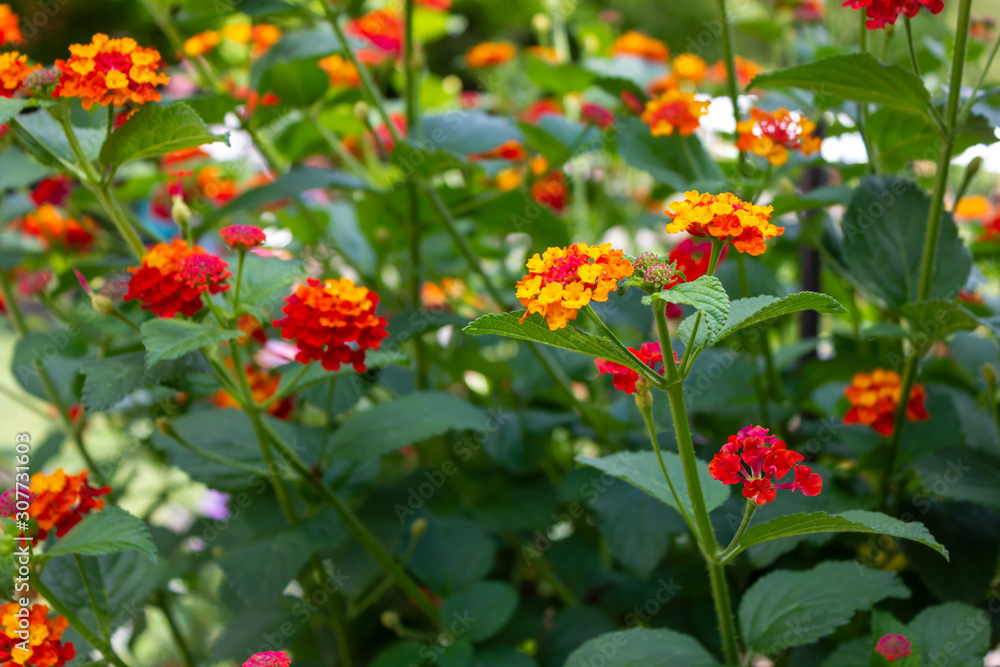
(745, 225)
(564, 280)
(757, 461)
(881, 13)
(174, 276)
(61, 501)
(110, 71)
(874, 397)
(772, 135)
(626, 379)
(43, 634)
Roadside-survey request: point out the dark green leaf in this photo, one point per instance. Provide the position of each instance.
(667, 158)
(106, 531)
(167, 339)
(706, 294)
(641, 646)
(155, 130)
(485, 607)
(951, 635)
(452, 555)
(298, 84)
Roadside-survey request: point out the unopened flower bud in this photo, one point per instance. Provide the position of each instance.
(418, 527)
(102, 304)
(974, 166)
(990, 375)
(164, 426)
(180, 211)
(541, 23)
(390, 619)
(362, 112)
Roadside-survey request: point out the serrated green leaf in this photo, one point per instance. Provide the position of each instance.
(854, 521)
(933, 320)
(107, 381)
(491, 603)
(154, 130)
(706, 294)
(642, 470)
(952, 634)
(166, 339)
(785, 608)
(642, 646)
(106, 531)
(858, 77)
(536, 330)
(389, 426)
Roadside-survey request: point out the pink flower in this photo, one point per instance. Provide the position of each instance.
(893, 647)
(269, 659)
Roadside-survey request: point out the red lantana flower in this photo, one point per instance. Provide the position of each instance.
(173, 277)
(62, 500)
(755, 459)
(623, 377)
(596, 114)
(885, 12)
(52, 190)
(44, 648)
(333, 322)
(268, 659)
(893, 647)
(243, 237)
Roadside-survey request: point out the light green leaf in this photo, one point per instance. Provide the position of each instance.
(535, 329)
(297, 84)
(166, 339)
(857, 77)
(785, 608)
(491, 603)
(155, 130)
(641, 646)
(642, 470)
(558, 79)
(106, 531)
(667, 158)
(706, 294)
(389, 426)
(10, 107)
(854, 521)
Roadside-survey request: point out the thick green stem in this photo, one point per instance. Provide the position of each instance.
(734, 544)
(175, 630)
(646, 409)
(909, 45)
(862, 107)
(74, 621)
(899, 421)
(724, 612)
(98, 614)
(731, 82)
(239, 281)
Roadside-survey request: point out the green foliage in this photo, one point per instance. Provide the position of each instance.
(641, 646)
(490, 603)
(155, 130)
(167, 339)
(106, 531)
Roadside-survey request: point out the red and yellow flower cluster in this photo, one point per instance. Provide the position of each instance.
(772, 135)
(10, 26)
(342, 72)
(745, 225)
(634, 43)
(885, 12)
(42, 635)
(874, 397)
(674, 110)
(563, 280)
(62, 500)
(110, 71)
(243, 237)
(262, 37)
(623, 377)
(757, 460)
(173, 277)
(333, 322)
(14, 69)
(51, 227)
(490, 54)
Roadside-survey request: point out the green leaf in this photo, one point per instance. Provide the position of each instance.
(486, 607)
(636, 525)
(296, 45)
(934, 320)
(821, 197)
(558, 79)
(641, 646)
(642, 470)
(468, 132)
(10, 107)
(706, 294)
(963, 474)
(294, 183)
(389, 426)
(155, 130)
(854, 521)
(535, 329)
(298, 84)
(106, 531)
(47, 140)
(554, 152)
(107, 381)
(667, 158)
(785, 608)
(883, 239)
(953, 634)
(166, 339)
(857, 77)
(452, 555)
(411, 158)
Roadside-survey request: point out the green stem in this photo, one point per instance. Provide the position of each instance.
(646, 409)
(724, 612)
(175, 630)
(713, 263)
(239, 281)
(862, 107)
(13, 309)
(731, 84)
(909, 45)
(162, 20)
(215, 458)
(361, 533)
(335, 144)
(990, 376)
(734, 545)
(98, 615)
(967, 107)
(62, 610)
(898, 420)
(337, 620)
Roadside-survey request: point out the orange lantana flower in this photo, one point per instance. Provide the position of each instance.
(746, 70)
(10, 28)
(110, 71)
(637, 44)
(50, 226)
(333, 322)
(546, 53)
(383, 29)
(343, 73)
(61, 500)
(14, 69)
(490, 54)
(689, 67)
(45, 646)
(563, 280)
(173, 276)
(771, 135)
(972, 207)
(674, 110)
(745, 225)
(874, 397)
